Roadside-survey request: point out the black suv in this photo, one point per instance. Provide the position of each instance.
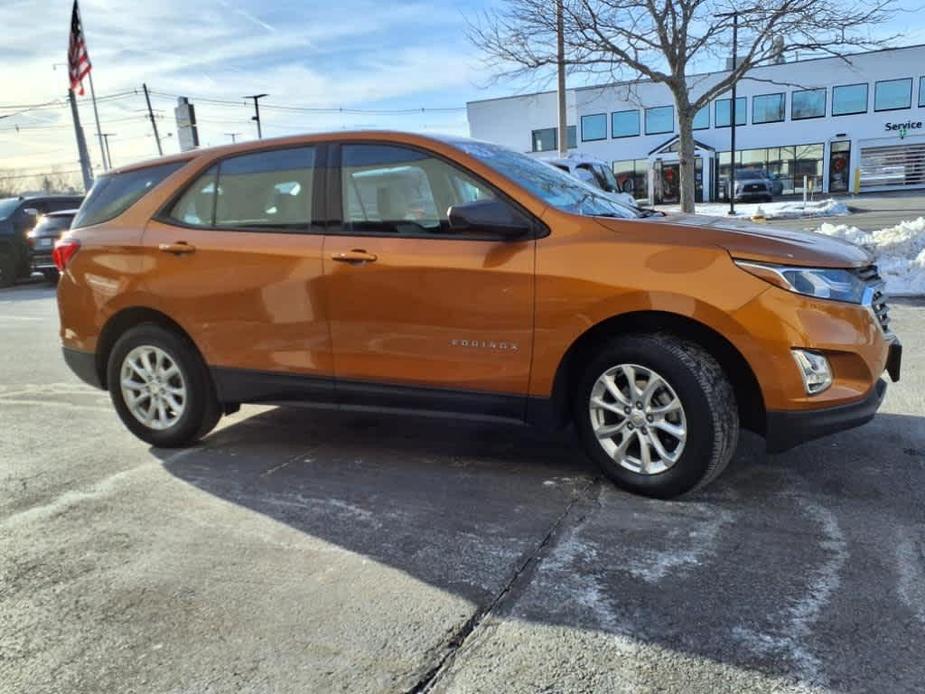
(17, 217)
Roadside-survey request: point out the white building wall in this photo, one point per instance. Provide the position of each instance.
(509, 121)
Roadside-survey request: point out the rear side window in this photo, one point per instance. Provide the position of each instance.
(113, 194)
(261, 191)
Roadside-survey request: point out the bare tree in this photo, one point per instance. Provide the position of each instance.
(660, 40)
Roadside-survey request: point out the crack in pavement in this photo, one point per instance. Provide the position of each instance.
(520, 578)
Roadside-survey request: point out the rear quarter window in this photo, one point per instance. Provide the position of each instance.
(113, 194)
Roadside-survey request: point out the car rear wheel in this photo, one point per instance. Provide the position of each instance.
(657, 414)
(161, 388)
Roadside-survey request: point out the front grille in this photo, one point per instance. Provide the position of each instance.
(871, 277)
(753, 187)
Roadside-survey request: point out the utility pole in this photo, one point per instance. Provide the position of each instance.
(96, 115)
(562, 132)
(233, 137)
(82, 153)
(108, 156)
(157, 138)
(256, 116)
(733, 115)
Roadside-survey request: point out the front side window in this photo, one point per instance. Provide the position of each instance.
(624, 123)
(768, 108)
(848, 99)
(547, 183)
(891, 95)
(807, 103)
(702, 118)
(722, 112)
(398, 190)
(594, 127)
(113, 194)
(659, 120)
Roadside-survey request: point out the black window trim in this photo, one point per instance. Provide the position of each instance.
(334, 226)
(898, 108)
(315, 226)
(731, 112)
(593, 139)
(658, 132)
(851, 113)
(825, 102)
(638, 132)
(783, 99)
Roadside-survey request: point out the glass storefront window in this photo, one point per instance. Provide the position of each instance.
(890, 95)
(594, 127)
(921, 91)
(702, 118)
(848, 99)
(785, 166)
(722, 112)
(768, 108)
(632, 177)
(807, 103)
(624, 123)
(659, 120)
(546, 139)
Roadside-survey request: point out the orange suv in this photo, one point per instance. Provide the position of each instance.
(379, 270)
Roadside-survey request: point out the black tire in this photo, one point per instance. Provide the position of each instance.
(7, 270)
(707, 398)
(51, 276)
(201, 411)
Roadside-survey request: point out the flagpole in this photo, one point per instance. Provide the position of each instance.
(99, 131)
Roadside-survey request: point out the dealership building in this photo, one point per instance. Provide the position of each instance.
(835, 125)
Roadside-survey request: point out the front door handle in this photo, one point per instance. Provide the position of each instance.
(355, 257)
(178, 248)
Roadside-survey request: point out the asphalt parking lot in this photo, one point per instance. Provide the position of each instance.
(297, 551)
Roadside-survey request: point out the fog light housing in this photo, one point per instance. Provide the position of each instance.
(815, 370)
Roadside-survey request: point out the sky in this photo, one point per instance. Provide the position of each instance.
(370, 55)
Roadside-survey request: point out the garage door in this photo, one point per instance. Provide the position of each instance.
(893, 166)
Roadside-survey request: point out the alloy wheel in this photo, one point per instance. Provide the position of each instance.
(153, 387)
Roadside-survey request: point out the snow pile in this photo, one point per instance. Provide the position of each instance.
(900, 252)
(792, 209)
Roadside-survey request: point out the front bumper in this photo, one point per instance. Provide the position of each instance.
(42, 261)
(789, 428)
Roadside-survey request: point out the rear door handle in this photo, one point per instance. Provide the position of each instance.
(355, 257)
(178, 248)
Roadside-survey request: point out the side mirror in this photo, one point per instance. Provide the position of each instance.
(493, 216)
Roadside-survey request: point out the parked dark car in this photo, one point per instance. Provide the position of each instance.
(17, 218)
(41, 241)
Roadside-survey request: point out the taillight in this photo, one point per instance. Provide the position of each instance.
(63, 252)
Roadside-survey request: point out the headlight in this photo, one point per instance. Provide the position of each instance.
(822, 283)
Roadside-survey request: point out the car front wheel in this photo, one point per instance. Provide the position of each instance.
(161, 388)
(657, 414)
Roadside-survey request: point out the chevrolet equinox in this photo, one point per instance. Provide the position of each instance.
(379, 270)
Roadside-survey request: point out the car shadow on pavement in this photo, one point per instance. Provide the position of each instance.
(787, 565)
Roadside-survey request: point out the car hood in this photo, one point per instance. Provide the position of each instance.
(749, 241)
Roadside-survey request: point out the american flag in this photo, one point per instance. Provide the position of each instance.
(78, 61)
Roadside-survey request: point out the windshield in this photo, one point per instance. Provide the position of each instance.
(8, 206)
(548, 183)
(749, 173)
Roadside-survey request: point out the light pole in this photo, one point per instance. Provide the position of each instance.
(732, 110)
(106, 137)
(256, 116)
(233, 136)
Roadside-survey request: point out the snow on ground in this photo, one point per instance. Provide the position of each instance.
(792, 209)
(900, 252)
